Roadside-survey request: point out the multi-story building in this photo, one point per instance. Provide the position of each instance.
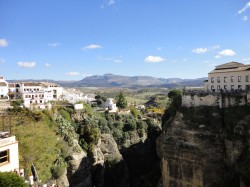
(52, 91)
(229, 76)
(9, 160)
(3, 89)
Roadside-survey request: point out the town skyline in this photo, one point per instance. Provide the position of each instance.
(62, 40)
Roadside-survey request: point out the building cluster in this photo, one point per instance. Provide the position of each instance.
(39, 95)
(232, 76)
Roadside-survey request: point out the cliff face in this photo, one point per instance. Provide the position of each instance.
(206, 146)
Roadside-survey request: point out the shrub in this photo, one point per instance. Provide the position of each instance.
(134, 111)
(11, 179)
(65, 114)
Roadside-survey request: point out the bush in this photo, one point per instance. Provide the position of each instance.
(134, 112)
(88, 136)
(11, 179)
(65, 114)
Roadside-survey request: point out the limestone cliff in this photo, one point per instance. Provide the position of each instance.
(108, 168)
(206, 146)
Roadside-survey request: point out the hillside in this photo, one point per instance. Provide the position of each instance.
(111, 80)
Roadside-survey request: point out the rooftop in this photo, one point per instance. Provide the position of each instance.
(231, 67)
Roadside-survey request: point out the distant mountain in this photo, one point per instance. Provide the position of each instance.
(111, 80)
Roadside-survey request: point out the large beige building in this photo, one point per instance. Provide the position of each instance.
(229, 76)
(9, 160)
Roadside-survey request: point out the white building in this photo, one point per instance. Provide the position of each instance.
(229, 76)
(52, 88)
(110, 105)
(32, 95)
(3, 89)
(72, 95)
(9, 158)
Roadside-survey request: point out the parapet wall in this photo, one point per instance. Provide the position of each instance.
(219, 99)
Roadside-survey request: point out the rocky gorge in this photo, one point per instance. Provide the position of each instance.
(196, 147)
(206, 146)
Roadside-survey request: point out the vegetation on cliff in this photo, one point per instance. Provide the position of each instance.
(48, 138)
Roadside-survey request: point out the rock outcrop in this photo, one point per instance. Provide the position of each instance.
(205, 147)
(108, 168)
(79, 170)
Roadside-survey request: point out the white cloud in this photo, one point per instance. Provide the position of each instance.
(159, 48)
(185, 59)
(54, 44)
(214, 47)
(73, 73)
(111, 2)
(2, 61)
(244, 18)
(205, 49)
(154, 59)
(200, 50)
(117, 61)
(244, 8)
(92, 46)
(47, 65)
(227, 52)
(217, 56)
(3, 42)
(26, 64)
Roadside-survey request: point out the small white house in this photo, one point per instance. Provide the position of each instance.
(110, 105)
(9, 160)
(3, 89)
(78, 106)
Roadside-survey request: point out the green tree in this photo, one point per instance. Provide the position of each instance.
(11, 179)
(121, 102)
(175, 97)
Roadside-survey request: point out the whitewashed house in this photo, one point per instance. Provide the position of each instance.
(9, 159)
(110, 105)
(3, 89)
(32, 95)
(53, 91)
(72, 95)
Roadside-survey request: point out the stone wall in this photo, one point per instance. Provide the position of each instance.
(218, 99)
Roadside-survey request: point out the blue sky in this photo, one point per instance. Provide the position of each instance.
(68, 40)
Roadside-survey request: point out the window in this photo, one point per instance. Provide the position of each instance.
(239, 78)
(247, 87)
(212, 87)
(4, 157)
(218, 87)
(232, 87)
(232, 78)
(212, 79)
(218, 79)
(41, 101)
(225, 79)
(247, 78)
(225, 87)
(239, 87)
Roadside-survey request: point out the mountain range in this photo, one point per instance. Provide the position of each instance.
(111, 80)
